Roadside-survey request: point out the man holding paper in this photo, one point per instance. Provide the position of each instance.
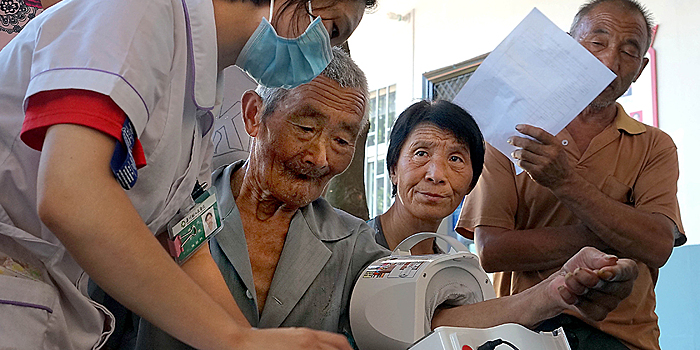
(606, 181)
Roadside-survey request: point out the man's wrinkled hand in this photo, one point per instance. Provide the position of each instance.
(594, 283)
(543, 156)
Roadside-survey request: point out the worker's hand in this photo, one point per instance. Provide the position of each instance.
(293, 339)
(543, 158)
(594, 283)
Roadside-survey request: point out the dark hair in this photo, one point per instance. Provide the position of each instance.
(633, 5)
(445, 115)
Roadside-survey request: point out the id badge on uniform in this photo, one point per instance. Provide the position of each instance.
(189, 232)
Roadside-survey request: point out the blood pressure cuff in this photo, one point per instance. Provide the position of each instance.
(448, 288)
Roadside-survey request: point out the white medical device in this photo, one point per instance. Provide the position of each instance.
(395, 298)
(509, 336)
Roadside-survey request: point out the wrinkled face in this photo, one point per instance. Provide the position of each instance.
(433, 173)
(307, 140)
(617, 37)
(339, 17)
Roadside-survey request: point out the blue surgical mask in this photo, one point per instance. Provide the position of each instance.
(274, 61)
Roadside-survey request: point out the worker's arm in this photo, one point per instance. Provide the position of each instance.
(48, 3)
(634, 233)
(204, 271)
(80, 201)
(591, 282)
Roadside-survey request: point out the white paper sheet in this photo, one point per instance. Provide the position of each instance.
(538, 75)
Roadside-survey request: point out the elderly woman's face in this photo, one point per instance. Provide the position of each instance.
(433, 173)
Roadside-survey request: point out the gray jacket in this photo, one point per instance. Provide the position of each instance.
(325, 251)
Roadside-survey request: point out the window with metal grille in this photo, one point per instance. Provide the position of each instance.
(445, 83)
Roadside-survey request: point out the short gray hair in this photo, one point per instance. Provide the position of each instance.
(342, 69)
(633, 5)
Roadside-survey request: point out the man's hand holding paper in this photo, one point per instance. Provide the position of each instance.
(542, 156)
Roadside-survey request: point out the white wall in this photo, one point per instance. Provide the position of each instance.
(451, 31)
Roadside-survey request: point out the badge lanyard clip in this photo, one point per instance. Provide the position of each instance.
(189, 232)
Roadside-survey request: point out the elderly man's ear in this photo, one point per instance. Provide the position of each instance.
(645, 61)
(252, 111)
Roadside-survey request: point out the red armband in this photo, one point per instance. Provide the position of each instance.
(73, 106)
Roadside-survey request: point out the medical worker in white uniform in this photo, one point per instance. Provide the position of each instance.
(106, 108)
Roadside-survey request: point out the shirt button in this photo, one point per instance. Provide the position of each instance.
(564, 142)
(248, 294)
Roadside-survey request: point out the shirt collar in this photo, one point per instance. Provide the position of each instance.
(628, 124)
(221, 179)
(325, 222)
(320, 217)
(201, 37)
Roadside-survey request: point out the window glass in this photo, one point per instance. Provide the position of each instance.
(370, 188)
(372, 118)
(381, 115)
(391, 115)
(380, 196)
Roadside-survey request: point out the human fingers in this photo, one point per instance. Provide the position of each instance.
(604, 300)
(623, 270)
(583, 286)
(614, 284)
(567, 296)
(593, 304)
(546, 165)
(596, 305)
(334, 341)
(530, 156)
(590, 258)
(532, 169)
(536, 133)
(298, 339)
(620, 283)
(544, 159)
(532, 151)
(326, 340)
(581, 280)
(527, 144)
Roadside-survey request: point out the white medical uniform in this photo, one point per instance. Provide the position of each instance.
(157, 60)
